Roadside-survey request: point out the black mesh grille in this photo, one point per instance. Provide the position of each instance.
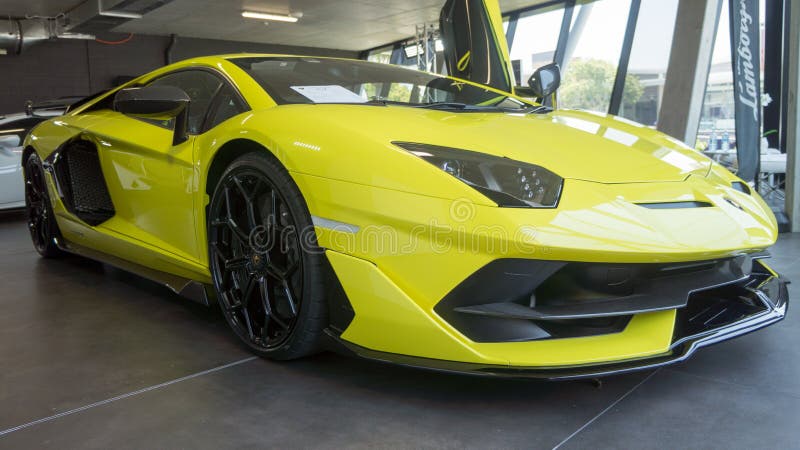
(85, 191)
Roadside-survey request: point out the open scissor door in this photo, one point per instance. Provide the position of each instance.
(475, 47)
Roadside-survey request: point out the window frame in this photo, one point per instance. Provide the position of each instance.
(214, 103)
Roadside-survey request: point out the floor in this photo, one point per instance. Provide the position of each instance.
(91, 357)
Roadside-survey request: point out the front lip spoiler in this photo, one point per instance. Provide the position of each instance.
(680, 351)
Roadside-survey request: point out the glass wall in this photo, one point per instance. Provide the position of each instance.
(717, 122)
(382, 55)
(647, 68)
(592, 49)
(592, 54)
(717, 131)
(535, 42)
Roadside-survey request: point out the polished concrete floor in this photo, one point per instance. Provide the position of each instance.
(91, 357)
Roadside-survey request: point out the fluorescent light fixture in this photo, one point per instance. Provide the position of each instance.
(413, 50)
(265, 16)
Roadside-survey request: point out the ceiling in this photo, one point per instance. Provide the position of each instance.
(339, 24)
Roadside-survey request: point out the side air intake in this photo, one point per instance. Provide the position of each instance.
(81, 183)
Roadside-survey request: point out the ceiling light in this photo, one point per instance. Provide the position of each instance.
(265, 16)
(414, 50)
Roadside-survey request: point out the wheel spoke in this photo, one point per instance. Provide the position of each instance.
(235, 278)
(239, 186)
(229, 305)
(235, 263)
(266, 299)
(247, 293)
(227, 193)
(248, 323)
(243, 237)
(272, 219)
(290, 298)
(249, 201)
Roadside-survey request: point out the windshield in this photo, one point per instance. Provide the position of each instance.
(301, 80)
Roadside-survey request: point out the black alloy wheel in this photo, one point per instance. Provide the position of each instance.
(264, 260)
(41, 221)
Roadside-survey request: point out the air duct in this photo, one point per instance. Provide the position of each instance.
(17, 35)
(98, 16)
(83, 22)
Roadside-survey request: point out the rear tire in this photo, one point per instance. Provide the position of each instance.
(41, 220)
(265, 263)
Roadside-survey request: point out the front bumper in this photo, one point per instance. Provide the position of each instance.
(399, 255)
(697, 325)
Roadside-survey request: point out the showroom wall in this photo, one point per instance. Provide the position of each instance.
(61, 68)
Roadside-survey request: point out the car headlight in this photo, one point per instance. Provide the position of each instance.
(507, 182)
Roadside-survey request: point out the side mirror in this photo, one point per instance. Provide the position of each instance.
(545, 81)
(8, 143)
(157, 103)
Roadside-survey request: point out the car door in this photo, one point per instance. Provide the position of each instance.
(475, 46)
(152, 183)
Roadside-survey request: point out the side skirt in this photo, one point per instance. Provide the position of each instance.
(190, 289)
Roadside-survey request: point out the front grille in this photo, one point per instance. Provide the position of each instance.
(711, 309)
(515, 300)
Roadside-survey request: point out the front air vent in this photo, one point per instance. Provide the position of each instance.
(676, 205)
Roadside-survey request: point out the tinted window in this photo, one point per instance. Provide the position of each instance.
(201, 86)
(227, 104)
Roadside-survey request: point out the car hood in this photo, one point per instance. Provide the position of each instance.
(573, 144)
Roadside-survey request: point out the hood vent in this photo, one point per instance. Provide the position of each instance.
(676, 205)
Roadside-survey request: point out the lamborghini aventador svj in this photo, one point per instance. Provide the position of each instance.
(406, 217)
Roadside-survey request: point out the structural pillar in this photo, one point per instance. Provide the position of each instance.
(793, 120)
(689, 65)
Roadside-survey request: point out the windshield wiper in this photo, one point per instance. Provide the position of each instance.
(539, 110)
(442, 105)
(456, 106)
(382, 102)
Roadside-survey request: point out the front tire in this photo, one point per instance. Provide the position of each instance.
(41, 220)
(265, 264)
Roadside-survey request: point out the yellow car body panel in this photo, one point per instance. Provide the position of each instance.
(409, 233)
(388, 320)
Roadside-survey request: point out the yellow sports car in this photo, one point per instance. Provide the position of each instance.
(407, 217)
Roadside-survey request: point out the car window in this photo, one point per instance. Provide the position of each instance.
(201, 86)
(228, 105)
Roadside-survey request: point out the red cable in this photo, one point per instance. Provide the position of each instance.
(127, 39)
